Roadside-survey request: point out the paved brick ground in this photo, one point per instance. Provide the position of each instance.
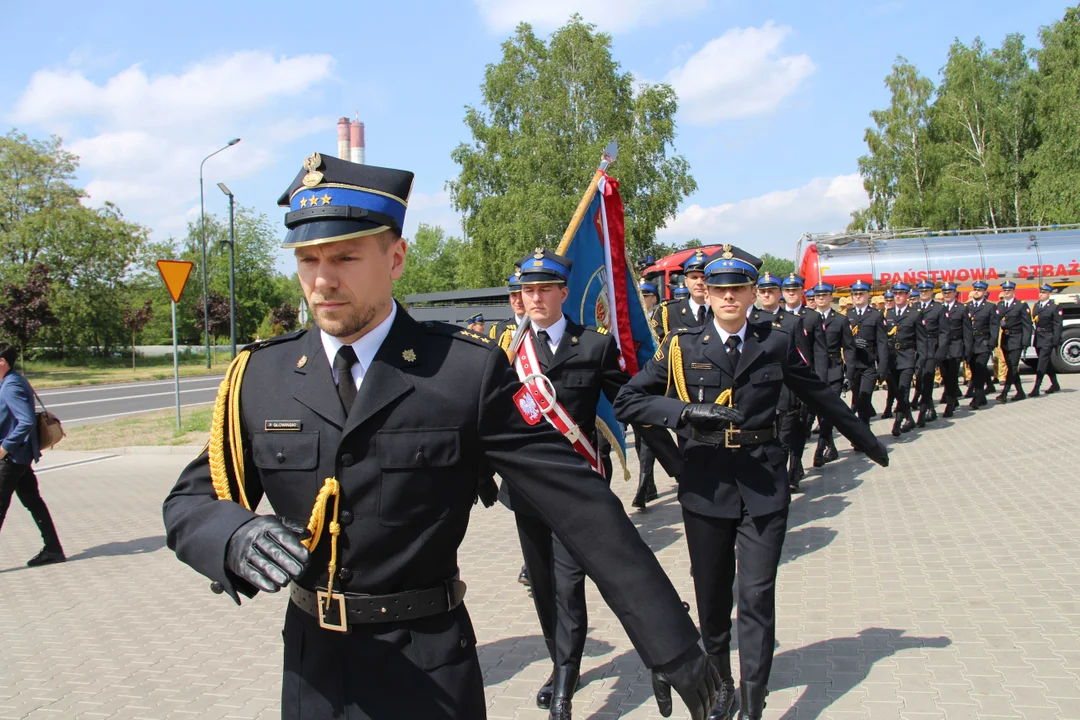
(943, 587)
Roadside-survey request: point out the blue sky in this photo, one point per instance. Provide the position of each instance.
(774, 96)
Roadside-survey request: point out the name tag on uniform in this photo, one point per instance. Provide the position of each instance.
(701, 366)
(283, 426)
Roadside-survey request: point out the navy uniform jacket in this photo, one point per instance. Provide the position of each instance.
(435, 404)
(680, 315)
(791, 323)
(1015, 324)
(718, 481)
(871, 328)
(901, 331)
(497, 330)
(954, 333)
(585, 365)
(928, 333)
(984, 326)
(1046, 320)
(830, 337)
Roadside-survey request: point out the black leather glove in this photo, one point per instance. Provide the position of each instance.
(879, 454)
(861, 343)
(693, 677)
(266, 553)
(709, 416)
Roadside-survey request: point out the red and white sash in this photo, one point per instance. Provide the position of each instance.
(536, 399)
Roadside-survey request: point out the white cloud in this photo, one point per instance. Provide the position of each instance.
(774, 221)
(433, 209)
(739, 74)
(141, 137)
(613, 16)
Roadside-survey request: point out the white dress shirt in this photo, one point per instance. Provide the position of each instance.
(694, 306)
(724, 334)
(365, 348)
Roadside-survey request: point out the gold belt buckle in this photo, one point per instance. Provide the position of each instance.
(731, 439)
(321, 596)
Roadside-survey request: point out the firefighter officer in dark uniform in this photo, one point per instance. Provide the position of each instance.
(926, 340)
(984, 338)
(689, 310)
(646, 460)
(1014, 321)
(890, 396)
(901, 321)
(367, 436)
(867, 354)
(719, 385)
(502, 332)
(1047, 326)
(829, 332)
(954, 344)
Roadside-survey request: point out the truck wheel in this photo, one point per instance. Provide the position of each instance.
(1067, 359)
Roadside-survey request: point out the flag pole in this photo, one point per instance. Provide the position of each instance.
(610, 153)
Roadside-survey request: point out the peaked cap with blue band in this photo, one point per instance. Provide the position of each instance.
(810, 294)
(1046, 287)
(732, 266)
(647, 287)
(860, 286)
(332, 200)
(475, 319)
(544, 266)
(768, 281)
(792, 281)
(823, 287)
(1008, 285)
(980, 285)
(513, 283)
(888, 294)
(925, 285)
(680, 291)
(948, 287)
(696, 262)
(901, 287)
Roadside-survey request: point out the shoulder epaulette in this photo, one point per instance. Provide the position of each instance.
(440, 328)
(287, 337)
(600, 329)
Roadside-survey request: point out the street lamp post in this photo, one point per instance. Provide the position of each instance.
(202, 234)
(232, 267)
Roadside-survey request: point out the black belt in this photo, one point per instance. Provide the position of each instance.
(733, 438)
(982, 334)
(347, 608)
(904, 345)
(957, 336)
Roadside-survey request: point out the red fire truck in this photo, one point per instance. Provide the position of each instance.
(666, 272)
(1027, 256)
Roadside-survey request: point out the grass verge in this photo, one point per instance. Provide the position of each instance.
(43, 377)
(156, 428)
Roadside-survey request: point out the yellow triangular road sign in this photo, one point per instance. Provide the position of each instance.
(175, 274)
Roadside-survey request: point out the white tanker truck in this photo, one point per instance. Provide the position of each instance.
(1027, 256)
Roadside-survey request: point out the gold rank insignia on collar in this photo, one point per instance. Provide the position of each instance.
(301, 362)
(408, 355)
(573, 340)
(312, 163)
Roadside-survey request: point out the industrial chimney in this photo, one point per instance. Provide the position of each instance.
(356, 140)
(343, 138)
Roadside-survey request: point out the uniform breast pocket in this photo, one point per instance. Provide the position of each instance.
(766, 375)
(578, 378)
(417, 478)
(287, 463)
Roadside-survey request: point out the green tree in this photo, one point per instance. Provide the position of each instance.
(1056, 162)
(24, 307)
(898, 169)
(431, 264)
(776, 266)
(548, 111)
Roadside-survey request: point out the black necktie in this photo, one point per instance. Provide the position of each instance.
(545, 347)
(701, 314)
(346, 388)
(733, 350)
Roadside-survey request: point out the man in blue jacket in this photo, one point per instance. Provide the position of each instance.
(19, 448)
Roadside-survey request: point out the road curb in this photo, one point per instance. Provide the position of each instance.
(189, 450)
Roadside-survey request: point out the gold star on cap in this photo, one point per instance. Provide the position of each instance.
(302, 361)
(409, 355)
(326, 199)
(312, 163)
(303, 202)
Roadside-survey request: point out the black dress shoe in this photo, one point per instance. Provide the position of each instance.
(1053, 389)
(724, 708)
(46, 557)
(819, 458)
(1002, 398)
(887, 415)
(523, 578)
(1034, 393)
(543, 697)
(1018, 396)
(896, 427)
(908, 425)
(639, 501)
(831, 453)
(564, 684)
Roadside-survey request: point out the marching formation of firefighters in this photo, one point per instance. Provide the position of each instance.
(373, 435)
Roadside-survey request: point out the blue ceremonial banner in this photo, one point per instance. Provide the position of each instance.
(603, 293)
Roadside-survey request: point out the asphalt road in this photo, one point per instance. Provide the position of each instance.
(97, 403)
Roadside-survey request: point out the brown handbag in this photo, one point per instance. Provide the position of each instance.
(49, 429)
